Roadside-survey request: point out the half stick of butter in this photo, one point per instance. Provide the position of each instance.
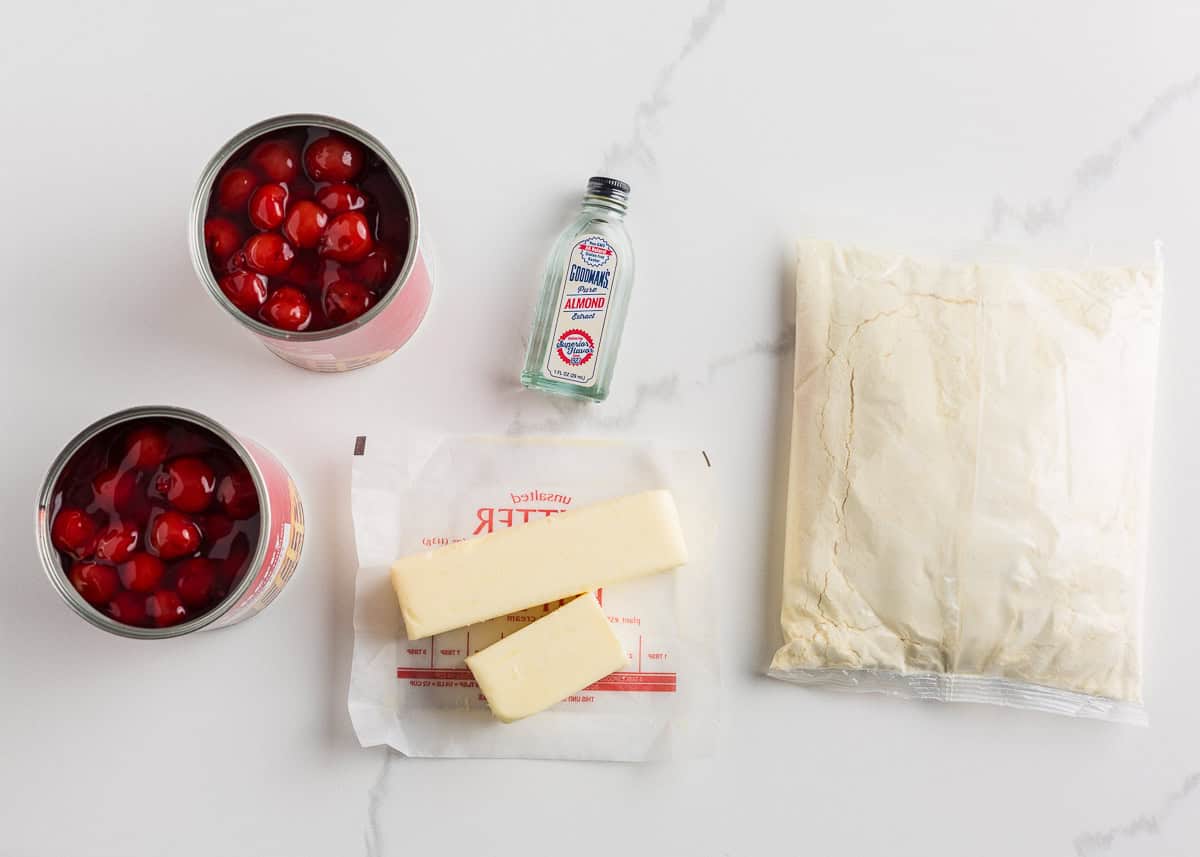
(535, 563)
(548, 660)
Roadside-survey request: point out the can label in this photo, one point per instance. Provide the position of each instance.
(381, 336)
(582, 305)
(283, 515)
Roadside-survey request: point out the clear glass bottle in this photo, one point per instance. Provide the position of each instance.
(585, 295)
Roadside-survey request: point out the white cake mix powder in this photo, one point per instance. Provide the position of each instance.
(967, 501)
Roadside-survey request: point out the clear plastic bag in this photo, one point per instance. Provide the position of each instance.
(968, 494)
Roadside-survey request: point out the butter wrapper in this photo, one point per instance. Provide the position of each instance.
(417, 492)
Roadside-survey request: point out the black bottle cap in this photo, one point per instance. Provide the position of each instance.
(608, 188)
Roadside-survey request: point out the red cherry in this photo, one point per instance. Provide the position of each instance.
(333, 159)
(173, 535)
(164, 609)
(236, 262)
(222, 237)
(141, 572)
(378, 268)
(267, 206)
(118, 542)
(269, 254)
(214, 527)
(278, 160)
(187, 483)
(347, 238)
(346, 301)
(145, 448)
(128, 607)
(194, 580)
(247, 290)
(114, 489)
(96, 583)
(305, 223)
(237, 495)
(341, 197)
(287, 309)
(234, 189)
(73, 532)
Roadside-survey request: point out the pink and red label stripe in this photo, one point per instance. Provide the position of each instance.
(618, 681)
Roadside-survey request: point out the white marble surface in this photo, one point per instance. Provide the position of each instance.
(740, 125)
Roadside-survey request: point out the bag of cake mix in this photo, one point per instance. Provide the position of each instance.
(968, 494)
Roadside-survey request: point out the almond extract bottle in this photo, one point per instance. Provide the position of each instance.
(585, 294)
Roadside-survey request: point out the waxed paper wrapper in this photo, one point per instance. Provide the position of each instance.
(413, 493)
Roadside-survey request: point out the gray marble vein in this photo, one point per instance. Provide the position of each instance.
(1092, 171)
(1150, 824)
(636, 147)
(778, 346)
(375, 800)
(662, 389)
(567, 412)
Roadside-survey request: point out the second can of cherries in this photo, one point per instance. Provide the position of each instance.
(306, 230)
(158, 521)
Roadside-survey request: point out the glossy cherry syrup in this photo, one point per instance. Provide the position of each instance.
(306, 229)
(155, 521)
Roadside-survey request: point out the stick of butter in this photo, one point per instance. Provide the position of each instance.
(548, 660)
(538, 562)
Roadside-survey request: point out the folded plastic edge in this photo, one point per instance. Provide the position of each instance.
(949, 687)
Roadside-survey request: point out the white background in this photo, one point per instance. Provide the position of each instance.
(740, 126)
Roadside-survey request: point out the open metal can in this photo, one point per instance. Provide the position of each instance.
(278, 523)
(372, 336)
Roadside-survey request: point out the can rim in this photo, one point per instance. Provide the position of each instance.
(203, 193)
(49, 556)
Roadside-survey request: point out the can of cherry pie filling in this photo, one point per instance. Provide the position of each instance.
(306, 230)
(156, 522)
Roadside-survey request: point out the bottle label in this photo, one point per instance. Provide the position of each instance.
(582, 307)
